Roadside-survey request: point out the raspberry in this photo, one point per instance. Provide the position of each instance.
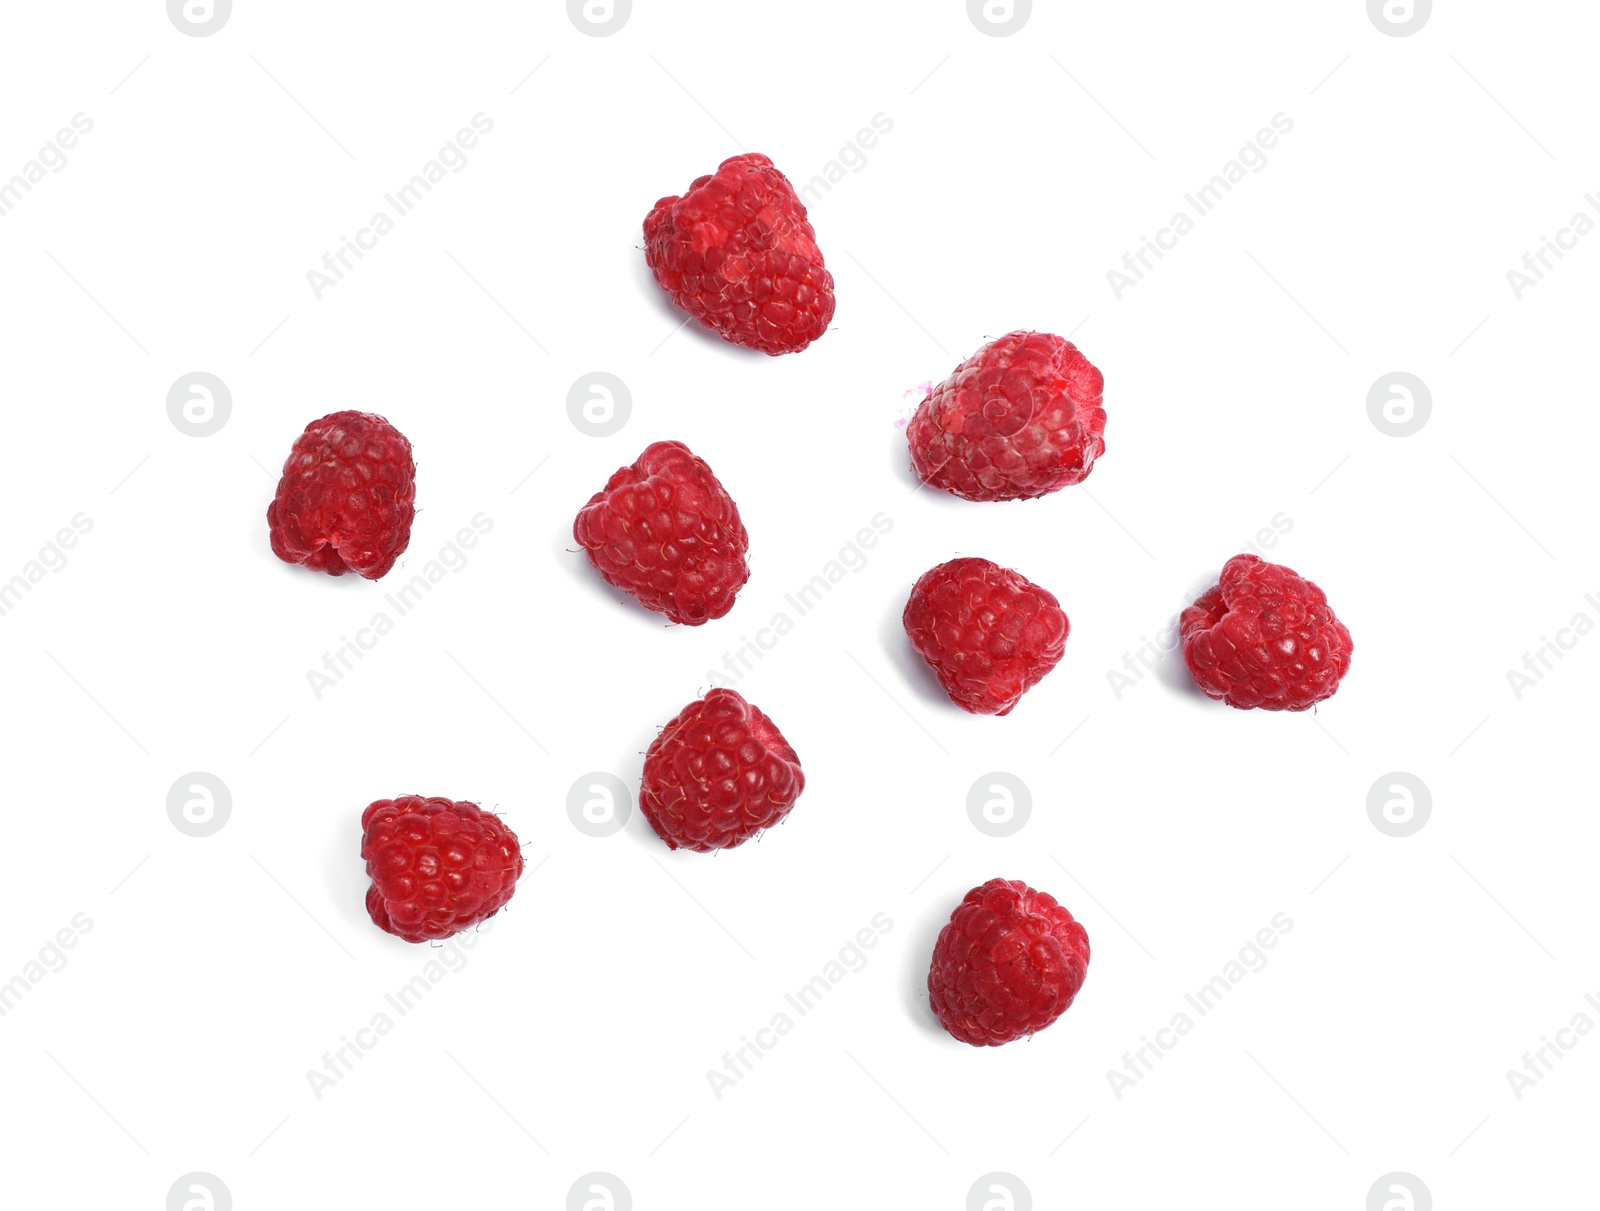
(737, 253)
(667, 531)
(1019, 418)
(346, 499)
(1264, 637)
(988, 633)
(718, 774)
(437, 867)
(1007, 965)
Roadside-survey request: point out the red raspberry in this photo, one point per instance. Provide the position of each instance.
(667, 531)
(1019, 418)
(346, 499)
(1007, 965)
(1264, 637)
(718, 774)
(437, 867)
(737, 253)
(988, 633)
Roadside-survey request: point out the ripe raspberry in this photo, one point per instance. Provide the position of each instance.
(437, 867)
(667, 531)
(1019, 418)
(346, 499)
(988, 633)
(718, 774)
(1264, 637)
(737, 253)
(1007, 965)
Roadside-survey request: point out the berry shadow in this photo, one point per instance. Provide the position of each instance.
(914, 672)
(345, 876)
(347, 882)
(1175, 675)
(615, 602)
(630, 768)
(1171, 671)
(906, 475)
(674, 316)
(924, 932)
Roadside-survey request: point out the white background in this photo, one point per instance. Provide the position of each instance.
(1017, 172)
